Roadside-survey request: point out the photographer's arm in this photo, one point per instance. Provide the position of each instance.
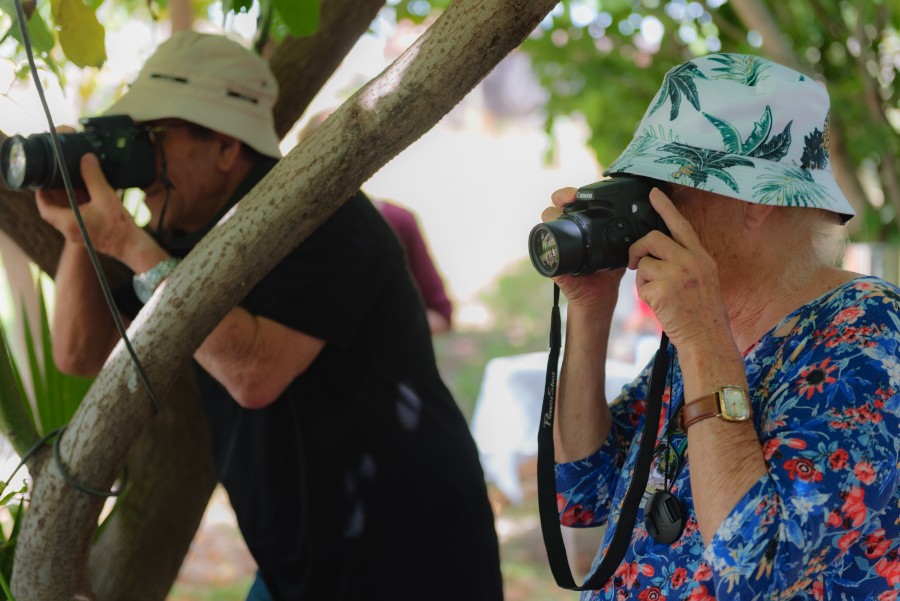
(583, 419)
(254, 358)
(83, 330)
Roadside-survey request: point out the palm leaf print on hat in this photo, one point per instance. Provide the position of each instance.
(698, 164)
(815, 153)
(745, 69)
(642, 144)
(789, 186)
(678, 82)
(757, 144)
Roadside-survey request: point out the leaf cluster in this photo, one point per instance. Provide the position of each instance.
(73, 25)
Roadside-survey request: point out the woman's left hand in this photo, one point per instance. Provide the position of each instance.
(679, 279)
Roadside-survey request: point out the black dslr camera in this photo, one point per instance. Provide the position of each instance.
(125, 151)
(595, 231)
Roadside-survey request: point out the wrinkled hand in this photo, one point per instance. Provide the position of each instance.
(679, 279)
(595, 289)
(109, 225)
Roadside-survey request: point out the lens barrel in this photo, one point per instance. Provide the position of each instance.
(557, 247)
(29, 162)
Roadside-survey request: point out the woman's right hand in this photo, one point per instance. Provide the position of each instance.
(595, 290)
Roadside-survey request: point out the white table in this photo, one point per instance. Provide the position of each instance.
(508, 408)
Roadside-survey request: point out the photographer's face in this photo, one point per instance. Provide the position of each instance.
(190, 157)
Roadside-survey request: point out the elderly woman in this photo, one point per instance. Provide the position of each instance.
(779, 430)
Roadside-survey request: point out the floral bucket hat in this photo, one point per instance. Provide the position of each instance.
(741, 126)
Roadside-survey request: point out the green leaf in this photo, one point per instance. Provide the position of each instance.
(760, 132)
(41, 37)
(57, 395)
(42, 40)
(731, 137)
(81, 35)
(236, 6)
(301, 16)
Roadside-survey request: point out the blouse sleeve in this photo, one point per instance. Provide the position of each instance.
(829, 424)
(584, 488)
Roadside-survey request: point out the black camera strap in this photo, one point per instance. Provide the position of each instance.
(549, 513)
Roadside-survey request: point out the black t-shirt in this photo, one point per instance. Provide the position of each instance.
(362, 480)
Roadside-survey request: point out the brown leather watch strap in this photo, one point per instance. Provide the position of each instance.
(697, 410)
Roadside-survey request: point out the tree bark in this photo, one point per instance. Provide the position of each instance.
(303, 190)
(143, 543)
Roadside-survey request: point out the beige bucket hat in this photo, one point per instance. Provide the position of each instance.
(211, 81)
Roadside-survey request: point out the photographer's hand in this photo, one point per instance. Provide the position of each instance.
(83, 330)
(596, 290)
(678, 278)
(111, 228)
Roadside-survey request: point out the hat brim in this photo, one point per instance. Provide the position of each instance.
(150, 100)
(746, 178)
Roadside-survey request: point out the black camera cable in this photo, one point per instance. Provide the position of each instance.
(95, 261)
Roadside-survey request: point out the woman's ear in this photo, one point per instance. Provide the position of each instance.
(756, 214)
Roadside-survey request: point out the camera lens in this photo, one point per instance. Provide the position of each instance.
(557, 247)
(15, 163)
(28, 162)
(547, 250)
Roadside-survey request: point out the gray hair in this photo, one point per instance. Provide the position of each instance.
(821, 241)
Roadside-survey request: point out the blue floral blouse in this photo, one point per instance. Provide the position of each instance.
(824, 523)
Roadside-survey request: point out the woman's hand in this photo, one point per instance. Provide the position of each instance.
(679, 280)
(590, 290)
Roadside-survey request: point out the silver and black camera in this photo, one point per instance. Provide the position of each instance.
(595, 231)
(125, 151)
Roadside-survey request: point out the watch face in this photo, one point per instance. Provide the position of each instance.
(735, 404)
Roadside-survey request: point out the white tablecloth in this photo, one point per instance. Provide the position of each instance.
(507, 413)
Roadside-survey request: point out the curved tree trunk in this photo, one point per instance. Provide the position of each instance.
(391, 112)
(303, 65)
(172, 478)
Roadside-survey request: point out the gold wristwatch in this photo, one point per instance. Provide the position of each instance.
(729, 403)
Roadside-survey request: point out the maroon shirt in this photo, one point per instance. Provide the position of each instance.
(422, 267)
